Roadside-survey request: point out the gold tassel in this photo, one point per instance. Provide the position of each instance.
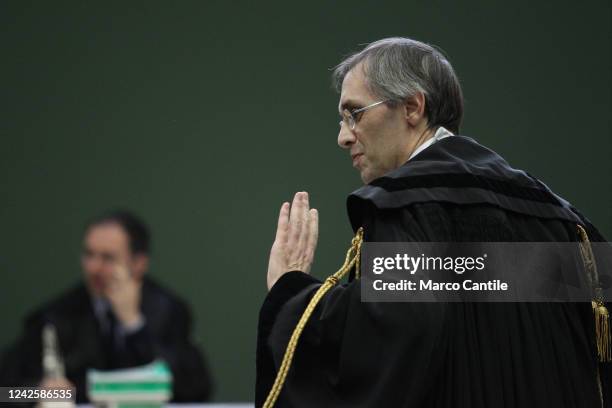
(600, 311)
(352, 258)
(602, 331)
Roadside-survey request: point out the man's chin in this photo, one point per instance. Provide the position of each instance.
(95, 290)
(366, 176)
(369, 174)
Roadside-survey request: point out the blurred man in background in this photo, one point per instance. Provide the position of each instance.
(116, 318)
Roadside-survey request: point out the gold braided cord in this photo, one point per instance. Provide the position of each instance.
(352, 258)
(602, 316)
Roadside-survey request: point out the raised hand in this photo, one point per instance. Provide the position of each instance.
(123, 293)
(296, 239)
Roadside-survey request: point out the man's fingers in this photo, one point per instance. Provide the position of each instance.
(283, 223)
(304, 227)
(313, 234)
(121, 272)
(296, 238)
(60, 382)
(296, 219)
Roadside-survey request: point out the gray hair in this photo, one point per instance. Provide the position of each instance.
(398, 68)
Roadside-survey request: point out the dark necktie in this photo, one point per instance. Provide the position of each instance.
(110, 338)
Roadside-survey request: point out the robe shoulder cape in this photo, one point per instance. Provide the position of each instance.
(476, 355)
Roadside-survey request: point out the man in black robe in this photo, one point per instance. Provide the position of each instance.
(401, 107)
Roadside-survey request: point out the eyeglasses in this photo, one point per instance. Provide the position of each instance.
(351, 117)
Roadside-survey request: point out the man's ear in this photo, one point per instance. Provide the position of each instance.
(414, 109)
(140, 264)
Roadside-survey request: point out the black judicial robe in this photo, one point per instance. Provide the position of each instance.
(476, 355)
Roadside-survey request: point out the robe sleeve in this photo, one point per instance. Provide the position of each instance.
(360, 354)
(341, 355)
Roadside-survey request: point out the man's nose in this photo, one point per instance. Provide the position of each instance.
(93, 266)
(346, 138)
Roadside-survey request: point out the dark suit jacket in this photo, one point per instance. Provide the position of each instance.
(165, 335)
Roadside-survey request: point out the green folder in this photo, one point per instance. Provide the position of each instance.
(148, 386)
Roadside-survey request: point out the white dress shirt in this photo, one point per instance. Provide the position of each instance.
(440, 134)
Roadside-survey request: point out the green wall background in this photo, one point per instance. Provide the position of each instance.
(204, 116)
